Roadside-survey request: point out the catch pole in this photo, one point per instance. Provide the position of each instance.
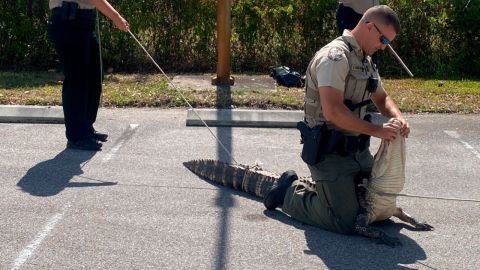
(400, 60)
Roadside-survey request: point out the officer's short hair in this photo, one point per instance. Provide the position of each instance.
(384, 15)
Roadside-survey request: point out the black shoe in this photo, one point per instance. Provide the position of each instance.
(99, 136)
(86, 144)
(275, 197)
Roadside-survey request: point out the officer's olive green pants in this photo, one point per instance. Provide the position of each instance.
(333, 206)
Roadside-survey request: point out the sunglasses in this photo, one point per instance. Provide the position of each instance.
(384, 40)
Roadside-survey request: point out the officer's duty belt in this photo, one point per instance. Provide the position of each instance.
(71, 11)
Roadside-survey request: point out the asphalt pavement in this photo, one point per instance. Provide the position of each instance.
(134, 206)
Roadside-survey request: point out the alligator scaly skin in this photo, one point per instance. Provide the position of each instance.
(250, 179)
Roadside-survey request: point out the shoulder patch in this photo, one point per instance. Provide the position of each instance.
(335, 54)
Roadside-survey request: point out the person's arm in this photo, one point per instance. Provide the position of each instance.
(336, 112)
(106, 9)
(387, 107)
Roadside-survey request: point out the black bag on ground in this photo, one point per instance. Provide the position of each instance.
(286, 77)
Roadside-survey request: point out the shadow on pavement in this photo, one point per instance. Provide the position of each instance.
(339, 251)
(224, 200)
(48, 178)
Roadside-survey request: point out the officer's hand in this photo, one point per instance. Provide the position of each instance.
(389, 131)
(405, 129)
(121, 23)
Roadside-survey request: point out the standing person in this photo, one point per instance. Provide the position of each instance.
(340, 80)
(350, 12)
(72, 30)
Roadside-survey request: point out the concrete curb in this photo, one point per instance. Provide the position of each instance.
(253, 118)
(31, 114)
(244, 118)
(213, 117)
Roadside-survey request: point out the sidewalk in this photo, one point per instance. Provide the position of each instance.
(242, 81)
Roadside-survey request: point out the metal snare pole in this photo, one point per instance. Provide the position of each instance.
(100, 58)
(400, 60)
(183, 96)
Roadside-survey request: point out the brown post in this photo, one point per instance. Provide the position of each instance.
(223, 44)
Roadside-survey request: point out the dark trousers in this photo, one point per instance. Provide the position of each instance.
(76, 44)
(347, 18)
(333, 206)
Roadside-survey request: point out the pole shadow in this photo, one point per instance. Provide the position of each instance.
(339, 251)
(224, 200)
(50, 177)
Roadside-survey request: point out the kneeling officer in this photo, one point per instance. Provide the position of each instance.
(340, 80)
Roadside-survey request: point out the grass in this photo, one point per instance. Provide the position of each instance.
(440, 96)
(138, 90)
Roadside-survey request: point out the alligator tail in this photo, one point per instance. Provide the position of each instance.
(250, 179)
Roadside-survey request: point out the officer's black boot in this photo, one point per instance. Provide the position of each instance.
(275, 197)
(85, 144)
(99, 136)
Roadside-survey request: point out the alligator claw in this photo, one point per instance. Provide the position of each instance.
(424, 226)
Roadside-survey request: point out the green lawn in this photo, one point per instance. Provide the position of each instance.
(138, 90)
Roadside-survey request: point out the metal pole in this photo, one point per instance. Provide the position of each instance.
(400, 60)
(101, 61)
(223, 44)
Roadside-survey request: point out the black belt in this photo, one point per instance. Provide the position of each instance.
(71, 11)
(352, 144)
(342, 144)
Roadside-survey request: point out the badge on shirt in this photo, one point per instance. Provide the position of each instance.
(335, 54)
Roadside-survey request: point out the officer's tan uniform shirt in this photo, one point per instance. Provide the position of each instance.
(82, 4)
(360, 6)
(341, 64)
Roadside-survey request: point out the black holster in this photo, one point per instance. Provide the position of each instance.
(311, 138)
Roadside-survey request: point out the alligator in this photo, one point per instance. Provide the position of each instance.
(376, 194)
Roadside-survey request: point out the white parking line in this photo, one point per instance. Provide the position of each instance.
(117, 147)
(455, 135)
(30, 249)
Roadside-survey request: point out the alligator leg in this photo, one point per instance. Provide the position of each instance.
(361, 223)
(362, 228)
(404, 216)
